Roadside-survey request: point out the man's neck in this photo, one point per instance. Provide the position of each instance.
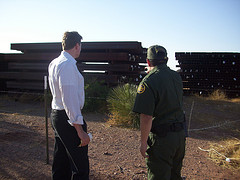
(71, 52)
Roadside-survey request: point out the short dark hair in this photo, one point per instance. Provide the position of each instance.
(70, 39)
(155, 62)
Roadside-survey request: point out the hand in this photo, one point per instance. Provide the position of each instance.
(84, 138)
(82, 135)
(143, 149)
(148, 69)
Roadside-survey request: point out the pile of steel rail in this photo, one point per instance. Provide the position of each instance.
(110, 62)
(204, 72)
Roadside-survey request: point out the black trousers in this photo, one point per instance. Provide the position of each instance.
(69, 160)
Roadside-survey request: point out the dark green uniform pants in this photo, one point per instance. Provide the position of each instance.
(165, 156)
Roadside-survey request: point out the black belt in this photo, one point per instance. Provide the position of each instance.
(163, 129)
(56, 110)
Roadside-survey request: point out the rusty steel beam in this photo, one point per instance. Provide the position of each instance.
(105, 57)
(84, 57)
(111, 67)
(31, 57)
(24, 85)
(23, 75)
(28, 66)
(123, 46)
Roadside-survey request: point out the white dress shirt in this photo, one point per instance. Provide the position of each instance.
(67, 86)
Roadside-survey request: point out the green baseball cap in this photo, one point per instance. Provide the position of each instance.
(156, 52)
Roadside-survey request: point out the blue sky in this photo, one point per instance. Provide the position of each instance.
(178, 25)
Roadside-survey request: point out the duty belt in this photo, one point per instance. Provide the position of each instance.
(163, 129)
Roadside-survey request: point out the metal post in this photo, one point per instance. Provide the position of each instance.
(190, 117)
(46, 118)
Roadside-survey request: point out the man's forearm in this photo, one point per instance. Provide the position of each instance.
(78, 128)
(145, 126)
(82, 134)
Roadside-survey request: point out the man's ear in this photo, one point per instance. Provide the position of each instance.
(76, 45)
(166, 60)
(148, 62)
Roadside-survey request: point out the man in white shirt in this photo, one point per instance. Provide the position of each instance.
(70, 159)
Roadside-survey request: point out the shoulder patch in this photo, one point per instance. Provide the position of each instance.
(141, 89)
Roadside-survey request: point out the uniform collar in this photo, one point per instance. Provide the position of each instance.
(160, 67)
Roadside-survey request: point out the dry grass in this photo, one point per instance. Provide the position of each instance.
(120, 104)
(218, 110)
(229, 149)
(218, 95)
(235, 100)
(117, 119)
(226, 153)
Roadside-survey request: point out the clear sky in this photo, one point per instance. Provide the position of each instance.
(178, 25)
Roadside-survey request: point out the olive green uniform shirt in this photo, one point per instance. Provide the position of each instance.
(160, 95)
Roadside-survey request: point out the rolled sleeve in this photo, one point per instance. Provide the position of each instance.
(78, 120)
(72, 104)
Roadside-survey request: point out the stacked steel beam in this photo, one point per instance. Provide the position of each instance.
(111, 62)
(205, 72)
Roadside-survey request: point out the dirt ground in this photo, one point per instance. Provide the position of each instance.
(113, 152)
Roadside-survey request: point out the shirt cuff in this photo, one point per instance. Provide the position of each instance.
(79, 120)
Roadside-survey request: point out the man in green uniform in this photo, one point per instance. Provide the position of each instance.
(159, 102)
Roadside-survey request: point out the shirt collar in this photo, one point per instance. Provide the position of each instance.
(68, 57)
